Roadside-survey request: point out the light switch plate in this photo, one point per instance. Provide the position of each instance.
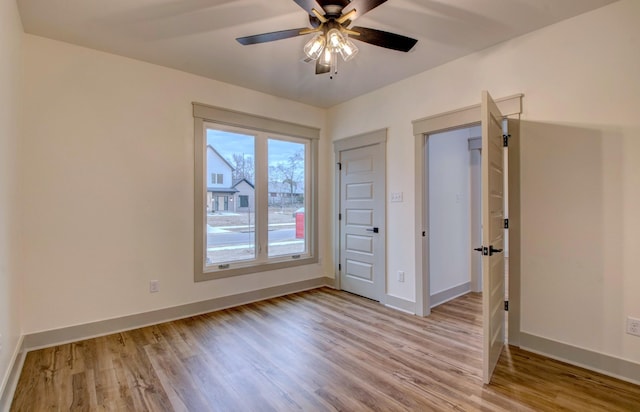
(396, 196)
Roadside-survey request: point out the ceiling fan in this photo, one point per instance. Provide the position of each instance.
(331, 23)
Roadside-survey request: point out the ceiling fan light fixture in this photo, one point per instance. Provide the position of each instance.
(314, 47)
(330, 27)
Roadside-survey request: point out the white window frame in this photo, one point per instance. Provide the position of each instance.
(219, 118)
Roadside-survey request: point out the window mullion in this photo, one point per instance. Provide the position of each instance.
(261, 201)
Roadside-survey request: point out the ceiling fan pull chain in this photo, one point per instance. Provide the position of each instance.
(334, 64)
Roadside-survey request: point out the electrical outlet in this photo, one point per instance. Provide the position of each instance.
(154, 286)
(400, 276)
(396, 196)
(633, 326)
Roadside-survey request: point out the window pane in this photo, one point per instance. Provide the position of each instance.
(286, 177)
(230, 221)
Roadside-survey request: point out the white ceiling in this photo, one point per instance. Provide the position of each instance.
(198, 36)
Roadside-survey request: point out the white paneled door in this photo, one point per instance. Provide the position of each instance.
(492, 235)
(362, 245)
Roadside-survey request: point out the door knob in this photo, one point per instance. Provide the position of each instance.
(492, 250)
(479, 249)
(374, 230)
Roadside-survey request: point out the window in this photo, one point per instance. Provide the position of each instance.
(286, 176)
(217, 178)
(271, 165)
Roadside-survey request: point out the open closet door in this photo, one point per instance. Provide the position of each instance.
(492, 235)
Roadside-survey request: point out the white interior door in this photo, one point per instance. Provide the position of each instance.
(362, 194)
(492, 235)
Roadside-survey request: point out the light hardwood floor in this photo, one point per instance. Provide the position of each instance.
(314, 351)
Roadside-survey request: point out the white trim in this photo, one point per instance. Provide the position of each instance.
(401, 304)
(599, 362)
(467, 116)
(250, 121)
(12, 376)
(421, 190)
(69, 334)
(361, 140)
(336, 221)
(449, 294)
(514, 247)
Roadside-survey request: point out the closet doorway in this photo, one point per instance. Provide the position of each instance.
(491, 116)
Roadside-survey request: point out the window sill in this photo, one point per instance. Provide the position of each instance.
(255, 268)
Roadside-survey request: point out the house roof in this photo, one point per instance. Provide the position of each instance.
(222, 190)
(221, 157)
(243, 180)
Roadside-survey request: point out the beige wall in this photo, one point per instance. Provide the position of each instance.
(580, 168)
(10, 68)
(107, 165)
(449, 210)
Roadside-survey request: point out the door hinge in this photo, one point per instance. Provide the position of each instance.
(339, 266)
(339, 216)
(506, 305)
(339, 166)
(506, 223)
(424, 233)
(505, 140)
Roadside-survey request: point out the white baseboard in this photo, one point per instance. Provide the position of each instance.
(13, 374)
(400, 304)
(449, 294)
(330, 282)
(60, 336)
(607, 365)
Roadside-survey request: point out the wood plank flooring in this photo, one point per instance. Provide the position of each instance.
(320, 350)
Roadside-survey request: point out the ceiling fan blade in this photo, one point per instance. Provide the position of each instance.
(363, 6)
(322, 68)
(267, 37)
(307, 5)
(384, 39)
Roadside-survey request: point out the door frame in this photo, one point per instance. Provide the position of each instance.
(511, 108)
(376, 137)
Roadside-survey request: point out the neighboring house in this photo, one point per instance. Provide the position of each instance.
(220, 191)
(224, 195)
(281, 194)
(245, 195)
